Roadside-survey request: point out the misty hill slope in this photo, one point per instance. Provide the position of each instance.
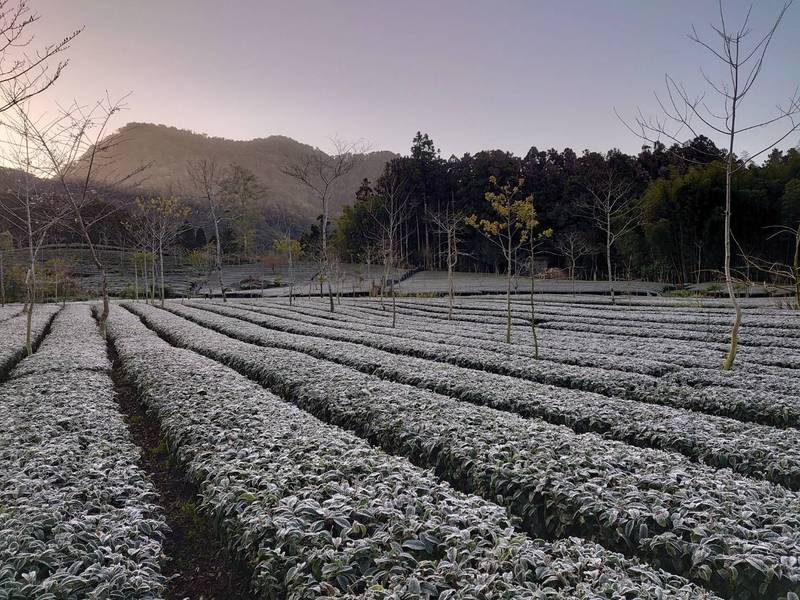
(168, 149)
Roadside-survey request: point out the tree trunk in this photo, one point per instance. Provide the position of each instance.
(153, 280)
(419, 237)
(533, 310)
(29, 291)
(699, 262)
(219, 255)
(730, 357)
(161, 261)
(394, 307)
(452, 253)
(385, 279)
(2, 281)
(325, 250)
(291, 274)
(796, 269)
(135, 280)
(608, 258)
(106, 308)
(145, 279)
(508, 298)
(572, 277)
(450, 291)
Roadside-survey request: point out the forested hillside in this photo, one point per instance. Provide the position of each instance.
(673, 198)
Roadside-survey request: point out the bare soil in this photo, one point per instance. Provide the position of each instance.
(197, 565)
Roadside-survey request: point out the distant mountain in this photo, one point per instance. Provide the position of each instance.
(167, 150)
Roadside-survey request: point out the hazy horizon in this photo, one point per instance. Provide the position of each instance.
(474, 76)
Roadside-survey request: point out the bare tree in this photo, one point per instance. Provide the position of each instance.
(368, 255)
(23, 74)
(573, 246)
(531, 222)
(163, 218)
(59, 270)
(141, 243)
(611, 206)
(337, 271)
(450, 223)
(206, 177)
(155, 225)
(389, 210)
(319, 173)
(682, 113)
(203, 260)
(286, 244)
(240, 189)
(31, 207)
(70, 148)
(786, 276)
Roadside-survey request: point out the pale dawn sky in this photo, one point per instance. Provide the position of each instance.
(475, 75)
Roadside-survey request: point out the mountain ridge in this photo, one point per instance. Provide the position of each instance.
(168, 149)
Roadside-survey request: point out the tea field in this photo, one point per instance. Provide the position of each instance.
(333, 455)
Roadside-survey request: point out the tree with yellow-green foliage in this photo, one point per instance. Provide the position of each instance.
(513, 226)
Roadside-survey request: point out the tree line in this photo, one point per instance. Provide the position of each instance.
(666, 205)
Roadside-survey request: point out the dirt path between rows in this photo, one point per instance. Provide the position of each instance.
(197, 567)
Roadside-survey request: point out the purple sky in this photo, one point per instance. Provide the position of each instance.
(475, 75)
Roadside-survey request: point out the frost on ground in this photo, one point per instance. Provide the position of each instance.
(556, 482)
(13, 335)
(78, 518)
(339, 456)
(318, 511)
(746, 447)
